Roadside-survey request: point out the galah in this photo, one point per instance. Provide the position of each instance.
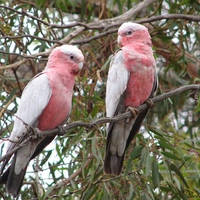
(132, 81)
(45, 104)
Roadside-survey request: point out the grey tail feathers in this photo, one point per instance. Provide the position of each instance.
(13, 181)
(113, 163)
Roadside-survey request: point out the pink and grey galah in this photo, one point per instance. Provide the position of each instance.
(45, 104)
(132, 80)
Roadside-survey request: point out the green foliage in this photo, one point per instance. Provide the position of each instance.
(162, 161)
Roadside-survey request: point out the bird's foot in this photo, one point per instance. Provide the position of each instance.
(150, 103)
(36, 133)
(134, 112)
(61, 129)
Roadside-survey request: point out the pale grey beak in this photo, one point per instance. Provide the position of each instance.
(119, 40)
(80, 65)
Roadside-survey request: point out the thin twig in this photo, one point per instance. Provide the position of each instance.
(74, 175)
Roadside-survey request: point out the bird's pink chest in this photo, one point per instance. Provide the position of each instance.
(142, 70)
(59, 105)
(138, 89)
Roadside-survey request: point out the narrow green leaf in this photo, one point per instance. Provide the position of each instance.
(46, 156)
(177, 171)
(49, 190)
(107, 188)
(144, 155)
(169, 155)
(73, 184)
(52, 170)
(134, 154)
(94, 151)
(130, 192)
(167, 146)
(155, 175)
(58, 150)
(148, 163)
(160, 133)
(150, 192)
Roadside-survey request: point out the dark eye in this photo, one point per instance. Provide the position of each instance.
(71, 57)
(129, 32)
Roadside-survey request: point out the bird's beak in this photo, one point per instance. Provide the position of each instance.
(80, 65)
(119, 40)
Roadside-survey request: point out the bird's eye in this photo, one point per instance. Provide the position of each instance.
(71, 57)
(129, 32)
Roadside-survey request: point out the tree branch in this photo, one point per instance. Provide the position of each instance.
(101, 24)
(93, 25)
(94, 123)
(128, 114)
(109, 25)
(72, 176)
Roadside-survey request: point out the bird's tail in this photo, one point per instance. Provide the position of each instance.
(12, 180)
(113, 163)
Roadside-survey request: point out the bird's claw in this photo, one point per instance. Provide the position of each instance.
(134, 111)
(39, 133)
(35, 133)
(150, 103)
(61, 129)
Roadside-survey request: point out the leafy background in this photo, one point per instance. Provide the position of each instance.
(163, 159)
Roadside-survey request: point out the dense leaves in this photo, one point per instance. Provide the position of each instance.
(163, 160)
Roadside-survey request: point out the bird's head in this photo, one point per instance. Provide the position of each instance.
(68, 54)
(129, 32)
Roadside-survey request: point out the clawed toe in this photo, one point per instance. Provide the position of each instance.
(35, 133)
(133, 110)
(150, 103)
(38, 133)
(61, 129)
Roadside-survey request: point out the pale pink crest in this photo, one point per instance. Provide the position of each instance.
(131, 32)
